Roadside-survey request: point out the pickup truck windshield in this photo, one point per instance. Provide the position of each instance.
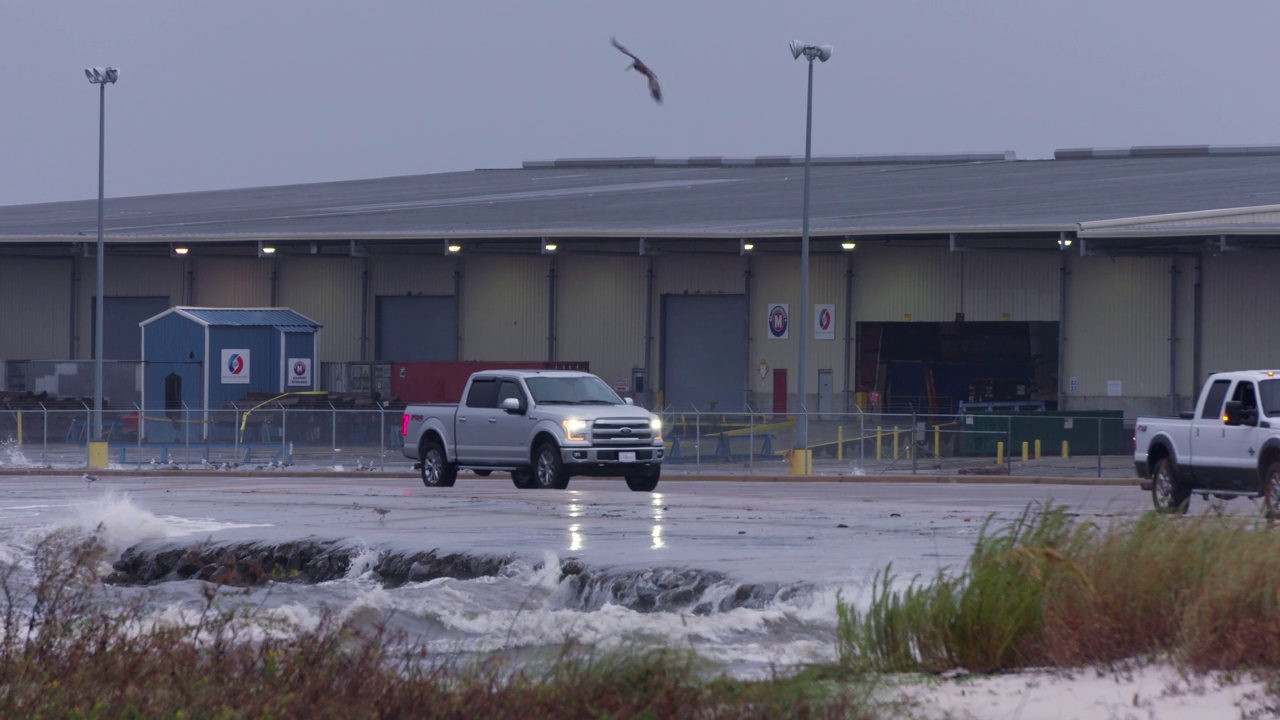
(1270, 391)
(571, 391)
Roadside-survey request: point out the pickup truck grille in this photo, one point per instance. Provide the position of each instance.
(621, 432)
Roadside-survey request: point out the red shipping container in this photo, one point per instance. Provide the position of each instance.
(443, 381)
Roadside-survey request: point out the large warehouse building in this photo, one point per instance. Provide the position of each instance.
(1099, 280)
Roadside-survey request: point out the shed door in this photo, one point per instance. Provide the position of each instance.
(423, 327)
(704, 351)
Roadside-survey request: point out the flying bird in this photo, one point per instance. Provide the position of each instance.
(641, 68)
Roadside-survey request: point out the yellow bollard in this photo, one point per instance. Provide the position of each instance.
(1065, 454)
(1037, 448)
(878, 441)
(19, 428)
(97, 454)
(895, 442)
(937, 442)
(800, 462)
(1000, 453)
(1025, 448)
(839, 442)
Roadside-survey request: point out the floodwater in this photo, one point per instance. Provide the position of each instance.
(745, 573)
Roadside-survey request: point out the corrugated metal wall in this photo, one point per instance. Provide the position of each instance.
(776, 279)
(609, 334)
(35, 320)
(1118, 322)
(891, 283)
(1023, 285)
(327, 290)
(232, 282)
(504, 307)
(1118, 331)
(1240, 297)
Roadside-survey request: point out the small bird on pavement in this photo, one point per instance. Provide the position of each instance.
(382, 513)
(89, 480)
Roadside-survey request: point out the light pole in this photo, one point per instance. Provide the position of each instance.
(810, 53)
(100, 77)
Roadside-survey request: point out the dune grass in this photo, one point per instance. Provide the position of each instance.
(66, 653)
(1048, 591)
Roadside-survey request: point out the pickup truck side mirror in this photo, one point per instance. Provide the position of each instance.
(513, 406)
(628, 401)
(1231, 412)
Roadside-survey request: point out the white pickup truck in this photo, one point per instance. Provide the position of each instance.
(1228, 447)
(542, 426)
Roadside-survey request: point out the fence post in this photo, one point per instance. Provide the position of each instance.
(235, 429)
(697, 440)
(186, 431)
(284, 421)
(19, 429)
(139, 434)
(840, 442)
(911, 441)
(333, 431)
(1099, 447)
(382, 436)
(44, 444)
(751, 443)
(1009, 441)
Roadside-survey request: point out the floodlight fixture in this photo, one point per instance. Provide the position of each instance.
(848, 245)
(179, 250)
(265, 250)
(548, 246)
(811, 52)
(745, 247)
(1064, 243)
(99, 76)
(452, 248)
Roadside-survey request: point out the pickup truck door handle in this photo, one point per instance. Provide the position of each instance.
(493, 420)
(462, 418)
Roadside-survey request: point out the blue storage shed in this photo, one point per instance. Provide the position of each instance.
(198, 359)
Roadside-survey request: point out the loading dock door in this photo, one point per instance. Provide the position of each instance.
(416, 328)
(704, 352)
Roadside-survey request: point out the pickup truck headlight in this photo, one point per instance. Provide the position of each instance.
(575, 429)
(656, 426)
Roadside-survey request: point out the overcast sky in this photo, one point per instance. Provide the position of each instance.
(231, 93)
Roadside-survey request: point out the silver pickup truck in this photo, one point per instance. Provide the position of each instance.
(1228, 447)
(542, 426)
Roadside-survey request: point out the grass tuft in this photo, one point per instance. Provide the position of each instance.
(1049, 591)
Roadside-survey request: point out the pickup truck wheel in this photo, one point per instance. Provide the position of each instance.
(549, 472)
(522, 478)
(437, 471)
(1271, 491)
(1167, 494)
(644, 483)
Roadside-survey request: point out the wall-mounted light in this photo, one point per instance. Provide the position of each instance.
(848, 245)
(265, 250)
(548, 246)
(452, 248)
(745, 247)
(1064, 243)
(178, 250)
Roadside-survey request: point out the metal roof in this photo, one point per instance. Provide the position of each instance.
(652, 199)
(282, 319)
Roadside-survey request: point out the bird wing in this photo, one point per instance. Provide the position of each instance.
(614, 41)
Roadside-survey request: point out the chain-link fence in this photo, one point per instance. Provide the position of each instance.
(275, 435)
(1034, 443)
(263, 436)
